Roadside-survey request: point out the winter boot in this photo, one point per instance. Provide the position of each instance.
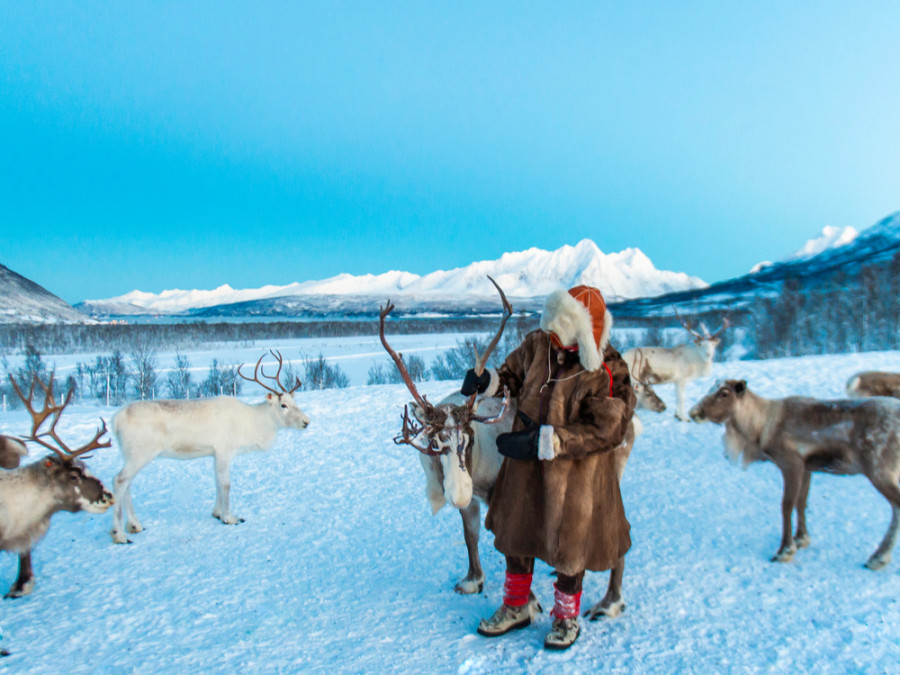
(508, 618)
(519, 607)
(566, 628)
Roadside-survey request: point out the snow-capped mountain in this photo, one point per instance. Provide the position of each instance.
(525, 274)
(23, 301)
(841, 252)
(831, 237)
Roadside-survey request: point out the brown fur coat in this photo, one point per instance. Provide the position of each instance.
(567, 511)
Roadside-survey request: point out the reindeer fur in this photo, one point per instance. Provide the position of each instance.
(802, 435)
(185, 429)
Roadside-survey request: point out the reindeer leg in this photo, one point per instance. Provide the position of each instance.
(25, 581)
(882, 555)
(679, 402)
(473, 582)
(123, 505)
(801, 537)
(612, 603)
(222, 510)
(793, 478)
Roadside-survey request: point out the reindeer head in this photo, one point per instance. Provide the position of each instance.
(73, 486)
(444, 431)
(707, 341)
(719, 404)
(281, 401)
(647, 398)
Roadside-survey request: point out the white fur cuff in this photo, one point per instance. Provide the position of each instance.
(548, 443)
(494, 384)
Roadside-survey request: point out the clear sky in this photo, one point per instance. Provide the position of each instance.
(189, 144)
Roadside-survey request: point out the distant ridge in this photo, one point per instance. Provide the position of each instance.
(845, 254)
(24, 301)
(532, 273)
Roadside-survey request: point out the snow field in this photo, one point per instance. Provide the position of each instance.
(339, 566)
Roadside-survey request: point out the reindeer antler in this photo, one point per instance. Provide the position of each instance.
(480, 361)
(726, 322)
(51, 409)
(409, 434)
(398, 358)
(257, 371)
(687, 326)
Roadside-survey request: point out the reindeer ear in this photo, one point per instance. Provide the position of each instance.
(740, 387)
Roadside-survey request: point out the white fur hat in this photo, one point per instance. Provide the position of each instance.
(579, 317)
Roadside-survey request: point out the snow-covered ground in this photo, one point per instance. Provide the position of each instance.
(340, 568)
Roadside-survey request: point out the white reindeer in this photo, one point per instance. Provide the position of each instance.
(185, 429)
(458, 446)
(679, 364)
(801, 435)
(30, 495)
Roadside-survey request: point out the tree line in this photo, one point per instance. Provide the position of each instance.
(117, 378)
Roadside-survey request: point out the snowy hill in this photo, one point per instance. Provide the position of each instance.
(831, 237)
(23, 301)
(840, 253)
(340, 567)
(525, 274)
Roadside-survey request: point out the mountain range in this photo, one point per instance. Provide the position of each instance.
(632, 284)
(527, 276)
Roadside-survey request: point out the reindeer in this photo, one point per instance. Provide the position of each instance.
(185, 429)
(874, 383)
(801, 435)
(30, 495)
(458, 446)
(458, 451)
(647, 399)
(679, 364)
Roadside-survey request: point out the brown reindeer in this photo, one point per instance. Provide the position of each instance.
(801, 435)
(30, 495)
(874, 383)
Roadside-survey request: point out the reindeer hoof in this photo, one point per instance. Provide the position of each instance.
(229, 520)
(610, 610)
(469, 586)
(134, 528)
(119, 537)
(784, 556)
(877, 563)
(802, 540)
(20, 591)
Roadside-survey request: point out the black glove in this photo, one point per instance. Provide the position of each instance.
(519, 444)
(475, 383)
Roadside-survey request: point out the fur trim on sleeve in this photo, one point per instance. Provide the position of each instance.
(494, 384)
(548, 443)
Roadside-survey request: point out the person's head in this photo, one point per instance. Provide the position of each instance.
(577, 319)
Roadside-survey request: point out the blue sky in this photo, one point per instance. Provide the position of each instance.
(187, 144)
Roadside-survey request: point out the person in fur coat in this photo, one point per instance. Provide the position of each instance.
(557, 496)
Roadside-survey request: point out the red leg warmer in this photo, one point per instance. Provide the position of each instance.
(516, 589)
